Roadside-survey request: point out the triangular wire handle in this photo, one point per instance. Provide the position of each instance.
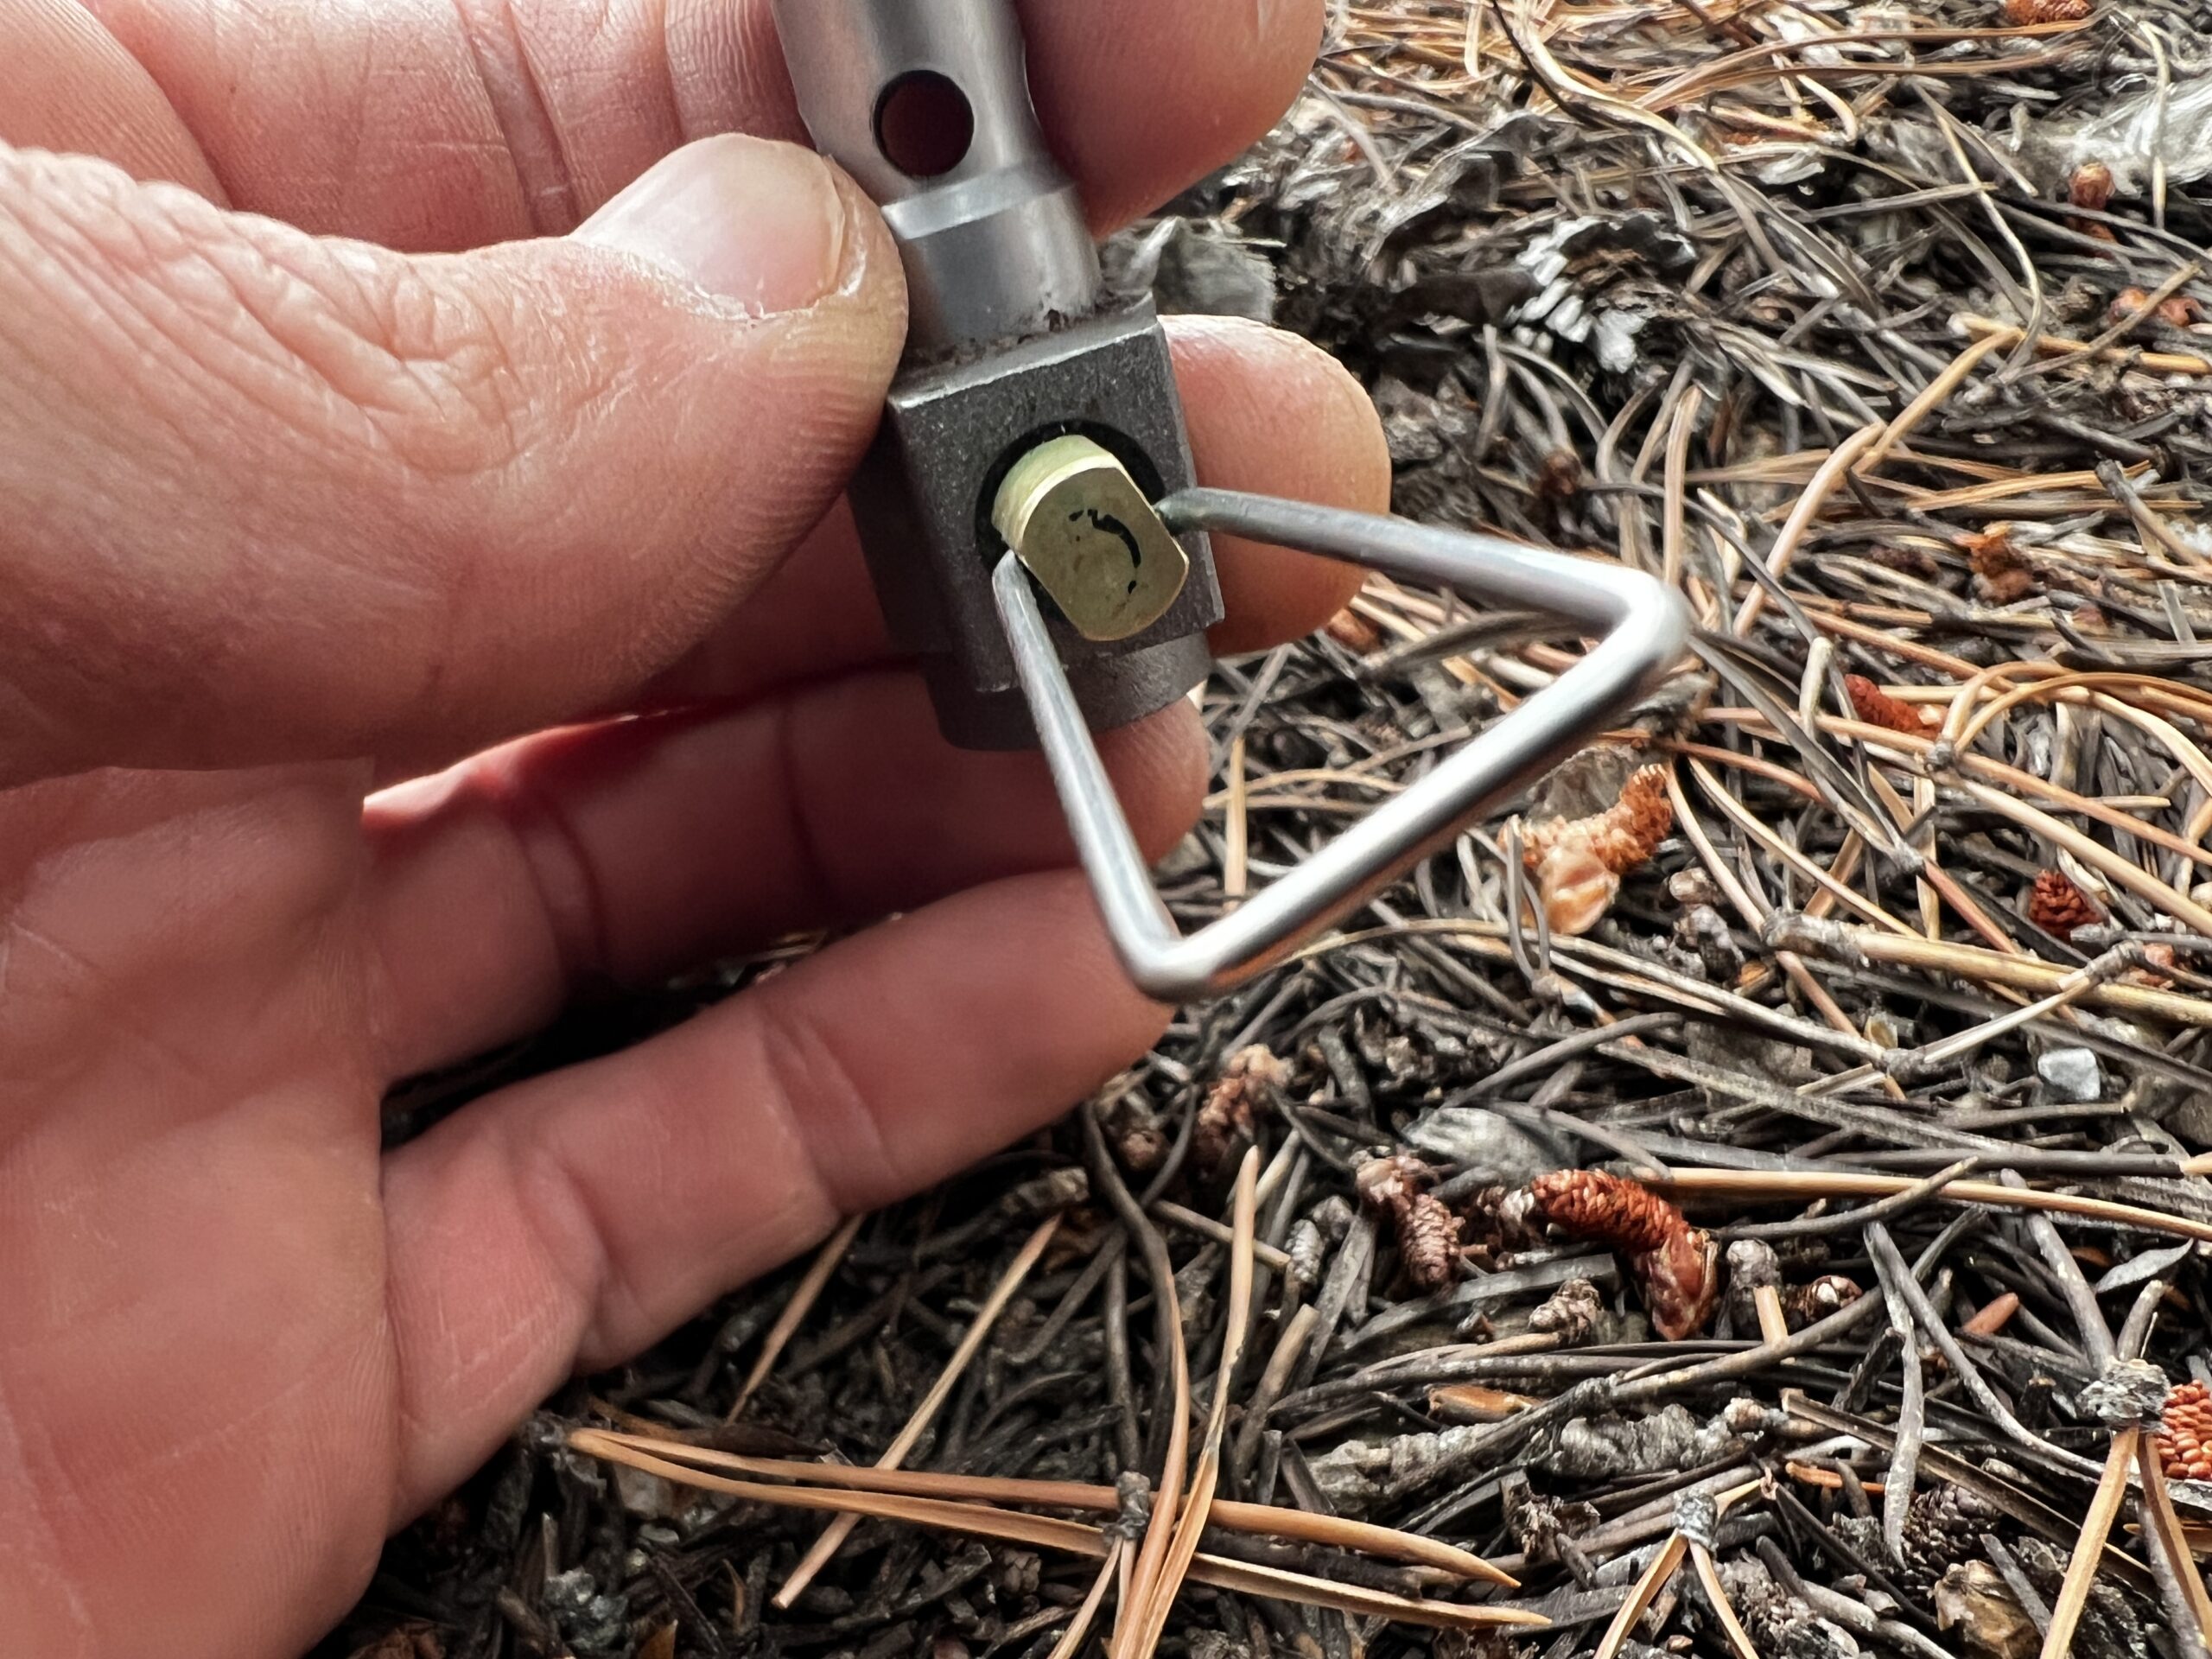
(1644, 627)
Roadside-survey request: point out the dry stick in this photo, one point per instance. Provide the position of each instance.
(1994, 967)
(1275, 1379)
(1912, 1413)
(808, 1292)
(2073, 1284)
(1753, 911)
(1182, 1548)
(1774, 1323)
(1790, 1186)
(1237, 867)
(979, 1331)
(1649, 1583)
(1674, 523)
(1073, 1537)
(1206, 1227)
(2088, 1548)
(1261, 1520)
(1655, 1578)
(1167, 1495)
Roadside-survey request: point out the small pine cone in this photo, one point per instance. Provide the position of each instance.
(2002, 575)
(1588, 1204)
(1428, 1242)
(1872, 706)
(2022, 14)
(1579, 862)
(1678, 1266)
(2180, 311)
(1622, 838)
(1251, 1077)
(1570, 1314)
(1427, 1231)
(1681, 1281)
(1386, 1183)
(1942, 1529)
(2090, 187)
(2127, 302)
(1500, 1221)
(2057, 906)
(2185, 1442)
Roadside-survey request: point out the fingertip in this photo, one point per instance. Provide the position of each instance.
(1163, 766)
(1274, 415)
(1168, 92)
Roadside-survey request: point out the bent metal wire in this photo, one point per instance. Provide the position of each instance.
(1645, 629)
(1014, 351)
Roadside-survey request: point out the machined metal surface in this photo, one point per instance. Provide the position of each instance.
(1007, 348)
(1645, 628)
(996, 248)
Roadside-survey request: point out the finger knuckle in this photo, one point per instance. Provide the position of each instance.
(329, 354)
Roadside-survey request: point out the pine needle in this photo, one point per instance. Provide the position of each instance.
(1070, 1537)
(1159, 1595)
(1261, 1520)
(833, 1538)
(809, 1291)
(2088, 1549)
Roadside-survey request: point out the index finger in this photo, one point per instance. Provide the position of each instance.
(444, 124)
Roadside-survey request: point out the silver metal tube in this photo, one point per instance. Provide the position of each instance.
(1645, 628)
(996, 248)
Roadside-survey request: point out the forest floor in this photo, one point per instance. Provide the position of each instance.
(1744, 1191)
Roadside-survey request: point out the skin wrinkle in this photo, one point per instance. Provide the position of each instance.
(813, 870)
(563, 878)
(801, 1064)
(43, 1527)
(517, 105)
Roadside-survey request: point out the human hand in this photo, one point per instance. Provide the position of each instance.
(284, 517)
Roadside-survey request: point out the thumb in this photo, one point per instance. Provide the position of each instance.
(268, 496)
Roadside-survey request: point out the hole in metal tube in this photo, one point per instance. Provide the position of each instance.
(925, 124)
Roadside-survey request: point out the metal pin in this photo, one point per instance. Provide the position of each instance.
(1086, 531)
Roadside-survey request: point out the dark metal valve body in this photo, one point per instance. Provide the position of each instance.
(1009, 347)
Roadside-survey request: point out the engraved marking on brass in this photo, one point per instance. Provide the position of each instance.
(1084, 529)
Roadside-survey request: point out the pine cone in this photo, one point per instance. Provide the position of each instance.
(1622, 838)
(1677, 1264)
(1225, 1119)
(1942, 1529)
(1588, 1204)
(1579, 862)
(1428, 1242)
(1427, 1231)
(1570, 1314)
(1872, 706)
(2058, 906)
(2185, 1443)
